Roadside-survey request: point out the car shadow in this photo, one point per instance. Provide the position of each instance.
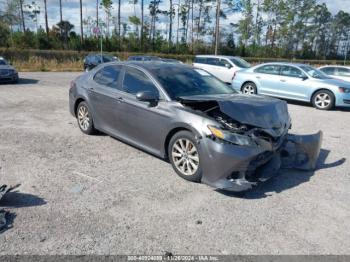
(287, 179)
(21, 81)
(15, 200)
(27, 81)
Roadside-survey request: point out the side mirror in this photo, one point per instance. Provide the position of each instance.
(304, 78)
(228, 66)
(147, 96)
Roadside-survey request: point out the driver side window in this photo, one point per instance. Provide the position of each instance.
(224, 63)
(136, 81)
(291, 72)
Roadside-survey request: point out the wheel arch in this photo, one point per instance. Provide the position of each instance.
(77, 102)
(249, 81)
(322, 89)
(172, 132)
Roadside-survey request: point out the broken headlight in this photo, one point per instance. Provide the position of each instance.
(230, 137)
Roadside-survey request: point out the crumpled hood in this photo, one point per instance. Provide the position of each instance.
(254, 110)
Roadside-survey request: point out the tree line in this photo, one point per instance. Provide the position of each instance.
(255, 28)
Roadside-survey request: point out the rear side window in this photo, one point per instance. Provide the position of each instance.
(343, 72)
(108, 76)
(328, 70)
(213, 61)
(268, 69)
(136, 81)
(200, 60)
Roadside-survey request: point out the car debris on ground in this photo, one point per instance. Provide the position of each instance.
(4, 189)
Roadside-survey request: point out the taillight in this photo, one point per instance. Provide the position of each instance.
(72, 84)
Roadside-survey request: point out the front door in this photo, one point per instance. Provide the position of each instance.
(140, 122)
(294, 83)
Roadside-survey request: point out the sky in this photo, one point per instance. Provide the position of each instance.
(71, 11)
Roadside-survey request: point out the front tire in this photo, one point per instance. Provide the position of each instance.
(323, 100)
(184, 156)
(84, 119)
(249, 89)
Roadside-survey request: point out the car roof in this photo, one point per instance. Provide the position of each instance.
(283, 63)
(340, 66)
(144, 56)
(151, 65)
(99, 54)
(218, 56)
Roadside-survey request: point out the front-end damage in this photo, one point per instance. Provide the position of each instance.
(249, 142)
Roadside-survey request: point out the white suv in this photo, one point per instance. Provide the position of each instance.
(223, 67)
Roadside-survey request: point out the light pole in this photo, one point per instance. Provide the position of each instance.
(346, 49)
(217, 26)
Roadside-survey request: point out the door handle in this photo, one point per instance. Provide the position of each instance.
(120, 99)
(258, 77)
(91, 88)
(282, 80)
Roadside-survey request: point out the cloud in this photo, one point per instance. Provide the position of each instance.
(71, 11)
(335, 6)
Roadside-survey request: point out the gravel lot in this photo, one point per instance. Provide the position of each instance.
(84, 194)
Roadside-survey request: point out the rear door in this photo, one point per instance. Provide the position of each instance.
(329, 70)
(103, 93)
(225, 70)
(200, 62)
(214, 67)
(268, 79)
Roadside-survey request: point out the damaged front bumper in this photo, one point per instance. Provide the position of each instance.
(239, 168)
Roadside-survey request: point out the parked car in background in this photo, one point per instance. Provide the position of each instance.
(207, 131)
(294, 81)
(339, 72)
(223, 67)
(93, 60)
(7, 72)
(169, 60)
(144, 58)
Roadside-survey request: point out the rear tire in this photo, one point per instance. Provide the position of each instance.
(84, 118)
(323, 100)
(184, 156)
(249, 89)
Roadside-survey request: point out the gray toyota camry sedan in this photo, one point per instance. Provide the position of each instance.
(207, 131)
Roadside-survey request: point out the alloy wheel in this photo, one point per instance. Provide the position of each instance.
(323, 100)
(185, 156)
(83, 117)
(248, 90)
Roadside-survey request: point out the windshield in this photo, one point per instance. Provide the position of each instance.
(313, 72)
(186, 81)
(240, 62)
(2, 62)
